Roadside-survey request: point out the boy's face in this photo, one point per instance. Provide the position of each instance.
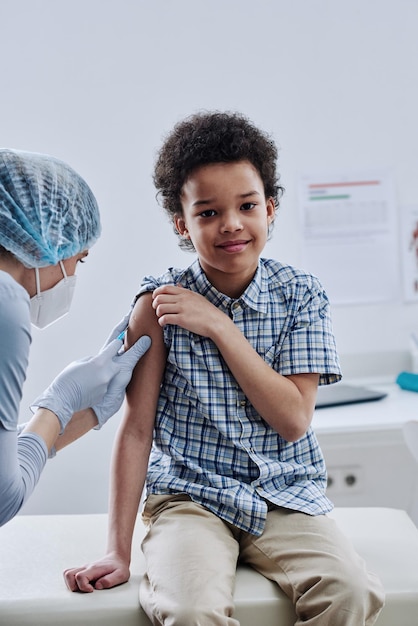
(226, 216)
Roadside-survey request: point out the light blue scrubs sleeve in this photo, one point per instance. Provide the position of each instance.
(15, 339)
(22, 460)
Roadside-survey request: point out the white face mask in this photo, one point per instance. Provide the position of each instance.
(50, 305)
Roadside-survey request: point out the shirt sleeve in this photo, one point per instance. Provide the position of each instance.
(149, 283)
(310, 344)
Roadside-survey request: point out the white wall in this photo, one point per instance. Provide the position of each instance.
(98, 83)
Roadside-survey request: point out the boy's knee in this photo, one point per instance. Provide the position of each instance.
(366, 592)
(338, 599)
(363, 594)
(172, 610)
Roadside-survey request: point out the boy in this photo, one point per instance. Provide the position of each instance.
(236, 472)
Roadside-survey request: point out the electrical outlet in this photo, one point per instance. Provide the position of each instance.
(345, 479)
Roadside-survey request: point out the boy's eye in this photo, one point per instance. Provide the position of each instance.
(208, 213)
(247, 206)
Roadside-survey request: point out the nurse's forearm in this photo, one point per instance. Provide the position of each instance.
(79, 425)
(45, 424)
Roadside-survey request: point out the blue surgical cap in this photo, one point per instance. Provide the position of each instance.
(48, 213)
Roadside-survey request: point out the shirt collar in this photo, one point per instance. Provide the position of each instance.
(255, 297)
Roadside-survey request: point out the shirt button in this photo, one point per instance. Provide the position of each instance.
(236, 305)
(242, 402)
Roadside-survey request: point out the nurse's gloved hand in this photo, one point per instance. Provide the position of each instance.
(112, 401)
(85, 383)
(115, 394)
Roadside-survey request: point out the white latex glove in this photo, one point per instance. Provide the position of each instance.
(85, 383)
(114, 396)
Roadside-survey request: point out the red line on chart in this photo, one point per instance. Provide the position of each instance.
(357, 183)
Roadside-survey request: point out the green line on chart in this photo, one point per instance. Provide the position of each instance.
(342, 197)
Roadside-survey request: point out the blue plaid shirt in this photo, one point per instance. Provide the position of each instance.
(209, 441)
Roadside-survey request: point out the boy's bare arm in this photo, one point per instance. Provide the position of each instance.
(133, 444)
(285, 402)
(130, 457)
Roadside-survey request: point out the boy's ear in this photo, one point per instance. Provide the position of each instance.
(180, 224)
(271, 210)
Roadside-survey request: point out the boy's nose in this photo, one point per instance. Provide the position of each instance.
(231, 222)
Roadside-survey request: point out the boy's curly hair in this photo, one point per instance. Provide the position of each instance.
(212, 137)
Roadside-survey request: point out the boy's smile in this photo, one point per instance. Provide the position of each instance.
(226, 216)
(233, 246)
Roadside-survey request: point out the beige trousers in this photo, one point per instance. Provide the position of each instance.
(191, 557)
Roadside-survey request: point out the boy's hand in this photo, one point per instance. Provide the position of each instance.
(104, 574)
(187, 309)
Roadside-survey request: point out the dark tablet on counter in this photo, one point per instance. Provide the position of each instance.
(340, 393)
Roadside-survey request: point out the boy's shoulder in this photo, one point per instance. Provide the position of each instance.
(172, 276)
(280, 273)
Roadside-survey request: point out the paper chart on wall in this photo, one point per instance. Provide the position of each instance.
(350, 235)
(409, 250)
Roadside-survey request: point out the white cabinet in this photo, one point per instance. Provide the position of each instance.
(367, 459)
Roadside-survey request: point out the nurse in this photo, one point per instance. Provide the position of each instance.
(48, 221)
